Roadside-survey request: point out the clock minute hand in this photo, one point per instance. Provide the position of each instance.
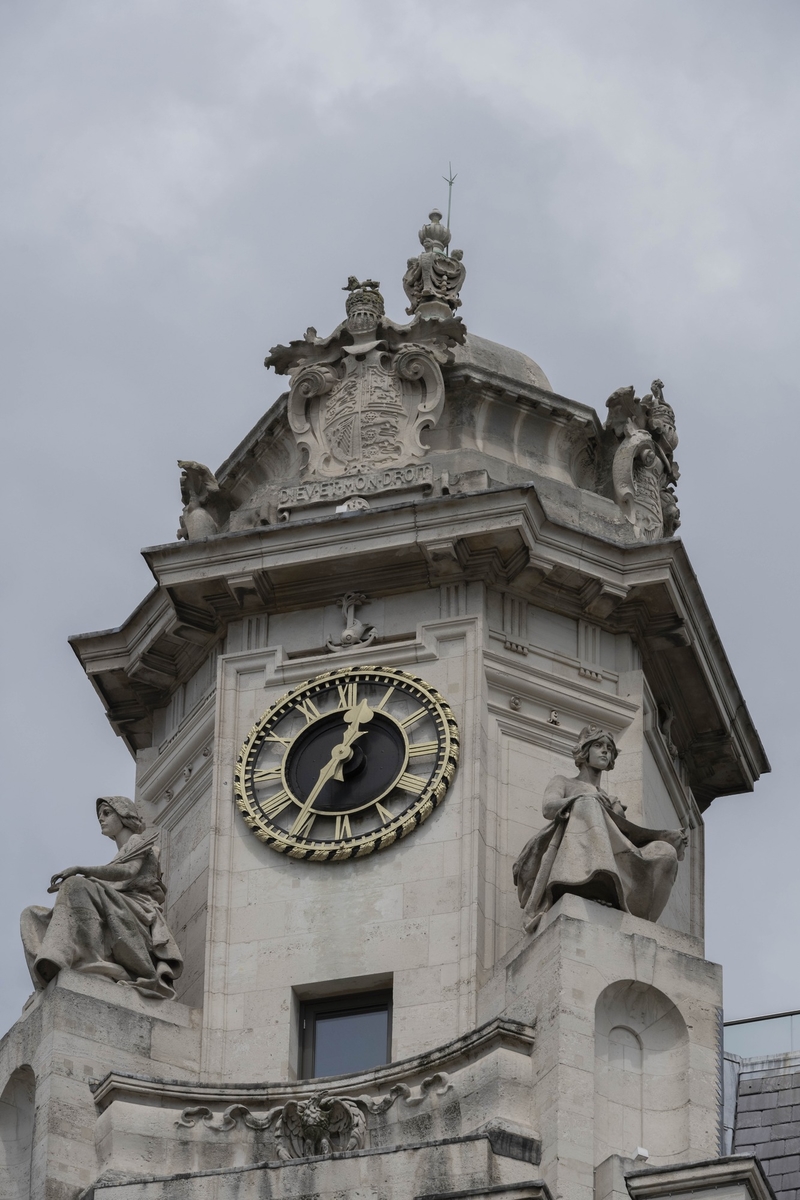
(334, 768)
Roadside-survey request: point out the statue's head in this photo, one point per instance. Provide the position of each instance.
(593, 735)
(125, 809)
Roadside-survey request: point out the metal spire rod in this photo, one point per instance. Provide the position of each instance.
(449, 179)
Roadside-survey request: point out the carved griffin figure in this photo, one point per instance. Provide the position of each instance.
(320, 1125)
(205, 509)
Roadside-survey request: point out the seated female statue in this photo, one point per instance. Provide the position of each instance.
(108, 920)
(590, 848)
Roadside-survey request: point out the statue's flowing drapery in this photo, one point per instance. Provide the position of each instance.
(596, 852)
(112, 929)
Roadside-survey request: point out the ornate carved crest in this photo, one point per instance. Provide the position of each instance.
(360, 399)
(367, 411)
(644, 471)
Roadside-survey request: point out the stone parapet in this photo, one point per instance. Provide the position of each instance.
(441, 1169)
(477, 1085)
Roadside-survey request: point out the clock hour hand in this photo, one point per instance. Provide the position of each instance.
(334, 768)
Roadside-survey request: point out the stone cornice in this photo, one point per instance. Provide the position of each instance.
(499, 1033)
(509, 537)
(471, 376)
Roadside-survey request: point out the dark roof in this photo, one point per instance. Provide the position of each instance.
(768, 1125)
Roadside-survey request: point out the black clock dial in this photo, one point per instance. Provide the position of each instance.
(376, 763)
(347, 763)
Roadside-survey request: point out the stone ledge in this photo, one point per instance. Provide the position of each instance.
(576, 908)
(737, 1177)
(114, 1179)
(530, 1189)
(499, 1033)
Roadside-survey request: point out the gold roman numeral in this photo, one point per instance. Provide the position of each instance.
(302, 826)
(348, 695)
(273, 737)
(421, 749)
(412, 783)
(342, 827)
(386, 696)
(267, 775)
(308, 709)
(275, 804)
(384, 813)
(415, 716)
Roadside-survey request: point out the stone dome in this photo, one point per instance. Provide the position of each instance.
(500, 360)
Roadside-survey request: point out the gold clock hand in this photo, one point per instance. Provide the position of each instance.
(334, 768)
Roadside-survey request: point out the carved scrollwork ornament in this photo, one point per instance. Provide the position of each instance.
(637, 474)
(347, 763)
(320, 1124)
(644, 470)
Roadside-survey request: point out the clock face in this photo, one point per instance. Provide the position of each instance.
(346, 763)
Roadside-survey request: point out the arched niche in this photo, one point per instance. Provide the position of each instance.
(641, 1077)
(17, 1108)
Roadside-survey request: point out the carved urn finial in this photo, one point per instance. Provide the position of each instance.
(435, 232)
(433, 281)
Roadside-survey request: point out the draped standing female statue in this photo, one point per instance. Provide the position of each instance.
(591, 849)
(108, 920)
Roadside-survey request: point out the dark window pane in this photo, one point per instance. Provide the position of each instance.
(350, 1042)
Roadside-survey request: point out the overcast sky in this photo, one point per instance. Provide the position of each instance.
(188, 183)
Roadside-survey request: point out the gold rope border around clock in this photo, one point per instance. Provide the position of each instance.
(393, 831)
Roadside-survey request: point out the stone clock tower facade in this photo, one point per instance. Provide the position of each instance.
(416, 955)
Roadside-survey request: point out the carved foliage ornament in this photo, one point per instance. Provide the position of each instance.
(319, 1125)
(644, 471)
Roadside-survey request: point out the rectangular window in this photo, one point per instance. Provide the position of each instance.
(342, 1034)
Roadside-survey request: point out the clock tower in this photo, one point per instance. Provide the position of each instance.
(421, 956)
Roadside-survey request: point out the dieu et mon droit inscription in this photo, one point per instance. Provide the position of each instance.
(366, 483)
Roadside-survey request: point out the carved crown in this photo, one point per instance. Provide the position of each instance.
(364, 306)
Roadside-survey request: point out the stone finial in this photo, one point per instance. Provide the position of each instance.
(433, 281)
(435, 232)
